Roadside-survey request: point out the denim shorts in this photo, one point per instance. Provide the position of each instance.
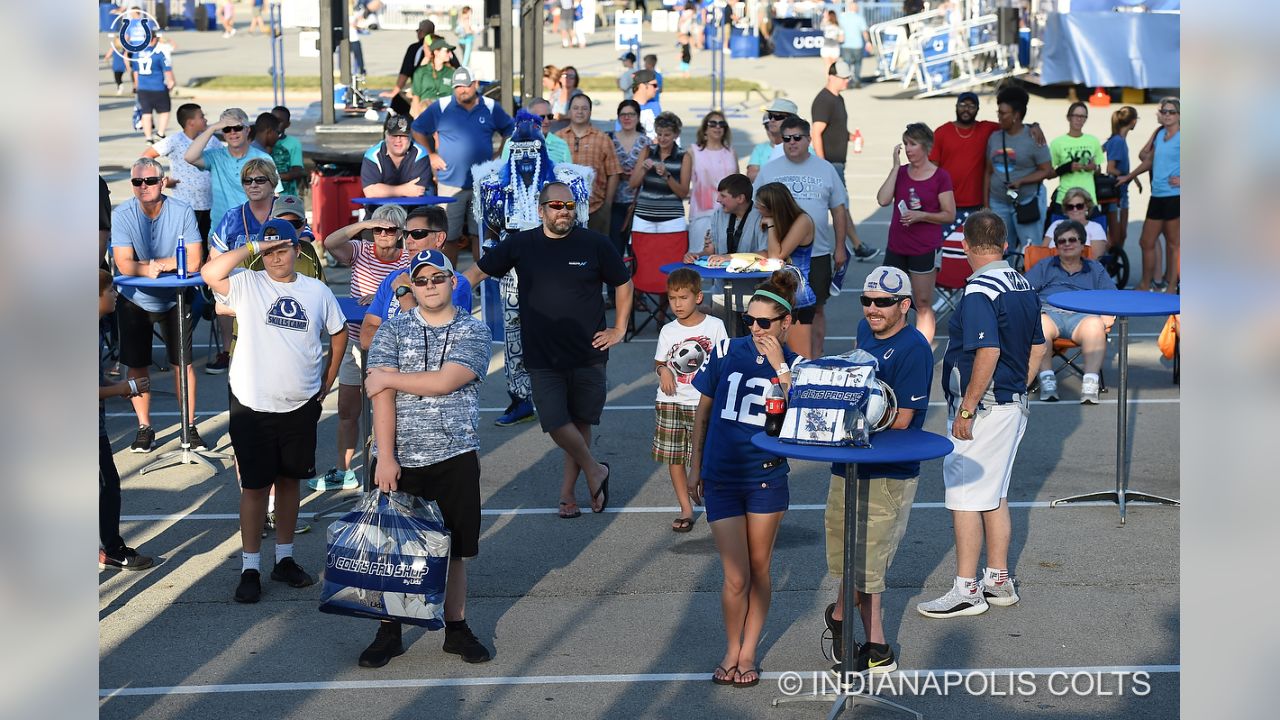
(1066, 320)
(734, 499)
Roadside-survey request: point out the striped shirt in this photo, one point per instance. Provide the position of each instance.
(367, 273)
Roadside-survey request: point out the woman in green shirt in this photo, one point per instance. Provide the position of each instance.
(433, 78)
(1076, 156)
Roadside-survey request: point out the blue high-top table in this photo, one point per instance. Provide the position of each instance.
(1124, 304)
(890, 446)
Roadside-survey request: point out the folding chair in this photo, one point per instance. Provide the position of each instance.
(649, 252)
(953, 270)
(1063, 347)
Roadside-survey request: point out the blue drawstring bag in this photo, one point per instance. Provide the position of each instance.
(387, 560)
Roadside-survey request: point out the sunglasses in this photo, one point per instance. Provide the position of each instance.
(255, 180)
(1168, 112)
(419, 233)
(547, 117)
(778, 116)
(1067, 240)
(793, 138)
(233, 128)
(560, 204)
(437, 279)
(765, 323)
(717, 124)
(297, 224)
(149, 181)
(1075, 206)
(385, 231)
(880, 302)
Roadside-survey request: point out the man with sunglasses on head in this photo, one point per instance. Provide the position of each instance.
(426, 366)
(145, 232)
(562, 326)
(905, 363)
(397, 166)
(278, 381)
(226, 162)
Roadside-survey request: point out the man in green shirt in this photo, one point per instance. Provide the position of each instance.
(287, 154)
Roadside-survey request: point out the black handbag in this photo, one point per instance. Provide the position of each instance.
(1024, 213)
(1107, 188)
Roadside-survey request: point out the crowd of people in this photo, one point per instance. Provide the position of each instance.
(558, 209)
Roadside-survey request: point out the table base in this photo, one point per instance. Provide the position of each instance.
(849, 702)
(185, 455)
(1119, 497)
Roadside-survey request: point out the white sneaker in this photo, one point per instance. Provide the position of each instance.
(956, 603)
(1048, 388)
(119, 89)
(1000, 594)
(1089, 391)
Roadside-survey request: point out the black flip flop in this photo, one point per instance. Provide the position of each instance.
(603, 489)
(751, 683)
(682, 524)
(569, 516)
(729, 674)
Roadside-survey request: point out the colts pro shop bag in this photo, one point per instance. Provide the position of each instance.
(837, 400)
(387, 560)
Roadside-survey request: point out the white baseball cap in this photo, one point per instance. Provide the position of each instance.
(888, 279)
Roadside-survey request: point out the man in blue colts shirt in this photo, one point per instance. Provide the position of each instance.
(994, 346)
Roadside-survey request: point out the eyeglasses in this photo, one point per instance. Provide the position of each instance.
(765, 323)
(717, 124)
(1164, 111)
(966, 105)
(560, 204)
(1067, 240)
(148, 181)
(778, 116)
(419, 233)
(793, 138)
(437, 279)
(627, 115)
(1077, 116)
(880, 302)
(233, 128)
(255, 180)
(1075, 206)
(385, 231)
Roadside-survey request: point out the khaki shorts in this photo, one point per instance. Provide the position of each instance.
(888, 507)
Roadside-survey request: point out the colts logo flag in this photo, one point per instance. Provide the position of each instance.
(287, 313)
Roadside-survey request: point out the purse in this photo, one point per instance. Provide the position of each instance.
(1106, 187)
(1024, 213)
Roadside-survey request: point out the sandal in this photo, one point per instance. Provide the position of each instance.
(749, 683)
(603, 489)
(567, 514)
(726, 675)
(682, 524)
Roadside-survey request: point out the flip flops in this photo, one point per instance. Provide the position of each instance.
(567, 514)
(603, 489)
(750, 683)
(727, 675)
(683, 524)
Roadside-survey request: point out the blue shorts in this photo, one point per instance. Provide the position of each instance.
(734, 499)
(1066, 320)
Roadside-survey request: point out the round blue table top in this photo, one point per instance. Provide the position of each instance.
(167, 280)
(890, 446)
(1127, 303)
(419, 200)
(715, 273)
(352, 309)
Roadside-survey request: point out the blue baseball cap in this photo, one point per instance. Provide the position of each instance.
(432, 258)
(283, 228)
(967, 96)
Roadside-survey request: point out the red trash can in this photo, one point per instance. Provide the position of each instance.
(331, 206)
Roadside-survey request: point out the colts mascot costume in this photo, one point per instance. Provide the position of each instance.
(507, 193)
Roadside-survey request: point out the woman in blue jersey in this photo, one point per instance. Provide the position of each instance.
(791, 232)
(745, 488)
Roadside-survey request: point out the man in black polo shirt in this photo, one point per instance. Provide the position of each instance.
(412, 56)
(566, 341)
(397, 166)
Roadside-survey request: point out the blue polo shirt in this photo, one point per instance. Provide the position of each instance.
(999, 309)
(150, 66)
(1048, 278)
(385, 305)
(465, 136)
(152, 239)
(376, 167)
(906, 365)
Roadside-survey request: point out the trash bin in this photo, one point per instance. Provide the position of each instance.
(331, 206)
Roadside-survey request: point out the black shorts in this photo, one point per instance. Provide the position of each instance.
(921, 264)
(135, 332)
(1164, 208)
(455, 486)
(153, 101)
(820, 277)
(572, 395)
(269, 446)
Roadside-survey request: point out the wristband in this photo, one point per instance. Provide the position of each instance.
(783, 368)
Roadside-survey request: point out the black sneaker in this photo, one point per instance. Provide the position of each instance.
(219, 365)
(250, 587)
(194, 440)
(836, 629)
(126, 558)
(145, 441)
(876, 658)
(386, 645)
(865, 252)
(459, 640)
(288, 571)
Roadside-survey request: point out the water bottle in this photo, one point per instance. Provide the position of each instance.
(913, 200)
(775, 409)
(181, 257)
(857, 141)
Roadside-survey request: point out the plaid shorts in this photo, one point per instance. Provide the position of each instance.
(673, 433)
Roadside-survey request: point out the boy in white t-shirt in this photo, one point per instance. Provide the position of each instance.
(683, 348)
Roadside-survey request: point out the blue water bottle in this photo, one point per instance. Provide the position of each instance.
(181, 257)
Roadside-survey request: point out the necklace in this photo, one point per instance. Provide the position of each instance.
(962, 136)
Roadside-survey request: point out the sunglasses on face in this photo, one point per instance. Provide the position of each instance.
(793, 138)
(765, 323)
(880, 302)
(1075, 206)
(233, 128)
(560, 204)
(148, 181)
(547, 117)
(1068, 240)
(778, 116)
(297, 224)
(420, 233)
(385, 231)
(717, 124)
(966, 106)
(437, 279)
(255, 180)
(1163, 111)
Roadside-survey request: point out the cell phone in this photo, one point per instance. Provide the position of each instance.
(902, 207)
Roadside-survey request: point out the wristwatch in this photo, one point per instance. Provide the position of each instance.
(402, 291)
(966, 414)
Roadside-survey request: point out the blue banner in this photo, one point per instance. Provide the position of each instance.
(798, 42)
(1139, 50)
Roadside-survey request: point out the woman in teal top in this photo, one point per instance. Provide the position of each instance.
(1163, 157)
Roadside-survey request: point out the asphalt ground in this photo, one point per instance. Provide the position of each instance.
(613, 614)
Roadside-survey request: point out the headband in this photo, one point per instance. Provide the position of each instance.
(774, 297)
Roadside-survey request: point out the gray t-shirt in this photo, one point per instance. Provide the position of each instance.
(1023, 156)
(817, 188)
(430, 430)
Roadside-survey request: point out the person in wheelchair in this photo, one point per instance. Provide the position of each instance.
(1070, 271)
(1079, 206)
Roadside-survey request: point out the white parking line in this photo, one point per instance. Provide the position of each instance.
(579, 680)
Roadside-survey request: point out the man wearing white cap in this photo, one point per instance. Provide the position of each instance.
(906, 365)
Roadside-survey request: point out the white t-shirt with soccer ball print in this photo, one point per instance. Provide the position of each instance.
(685, 349)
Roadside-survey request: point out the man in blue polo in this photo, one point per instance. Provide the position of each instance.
(397, 166)
(995, 344)
(458, 133)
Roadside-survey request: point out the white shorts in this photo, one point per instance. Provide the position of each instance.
(351, 372)
(639, 224)
(977, 472)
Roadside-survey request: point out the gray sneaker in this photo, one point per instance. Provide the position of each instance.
(956, 603)
(1000, 594)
